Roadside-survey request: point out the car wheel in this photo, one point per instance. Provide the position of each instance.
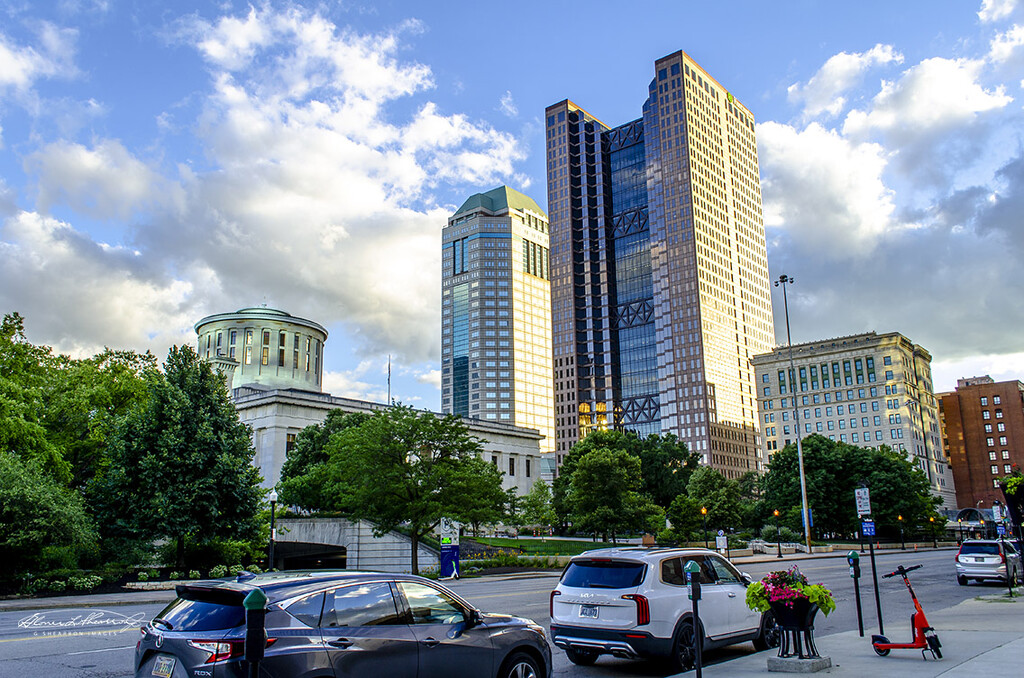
(770, 635)
(581, 657)
(521, 665)
(961, 580)
(684, 657)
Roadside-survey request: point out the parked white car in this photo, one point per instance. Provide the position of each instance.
(634, 602)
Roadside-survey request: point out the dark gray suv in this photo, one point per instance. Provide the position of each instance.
(339, 625)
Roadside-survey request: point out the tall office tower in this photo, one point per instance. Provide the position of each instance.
(660, 291)
(496, 313)
(866, 389)
(983, 435)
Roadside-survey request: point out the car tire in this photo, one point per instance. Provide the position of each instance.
(961, 580)
(770, 634)
(683, 656)
(521, 665)
(581, 657)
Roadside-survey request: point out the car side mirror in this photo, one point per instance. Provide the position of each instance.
(746, 578)
(473, 618)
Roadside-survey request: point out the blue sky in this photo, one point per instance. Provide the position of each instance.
(164, 161)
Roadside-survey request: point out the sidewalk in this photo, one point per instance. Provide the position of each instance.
(96, 600)
(980, 637)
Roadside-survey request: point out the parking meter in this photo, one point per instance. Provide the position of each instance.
(853, 558)
(692, 570)
(255, 605)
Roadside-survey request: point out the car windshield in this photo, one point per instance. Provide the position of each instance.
(603, 574)
(984, 549)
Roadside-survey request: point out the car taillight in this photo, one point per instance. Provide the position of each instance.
(551, 603)
(643, 608)
(221, 650)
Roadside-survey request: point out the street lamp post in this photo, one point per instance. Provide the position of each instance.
(960, 529)
(273, 532)
(778, 534)
(783, 281)
(704, 514)
(903, 543)
(935, 541)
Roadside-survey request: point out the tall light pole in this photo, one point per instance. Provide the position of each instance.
(778, 534)
(704, 514)
(273, 532)
(783, 281)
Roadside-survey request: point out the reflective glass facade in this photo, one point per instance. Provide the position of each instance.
(660, 289)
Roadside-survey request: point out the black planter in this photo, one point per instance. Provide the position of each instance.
(796, 621)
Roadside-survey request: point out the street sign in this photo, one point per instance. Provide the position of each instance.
(721, 533)
(1001, 530)
(867, 528)
(721, 543)
(997, 512)
(863, 499)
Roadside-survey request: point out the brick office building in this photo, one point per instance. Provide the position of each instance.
(983, 435)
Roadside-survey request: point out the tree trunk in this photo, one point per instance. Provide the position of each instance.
(415, 539)
(181, 553)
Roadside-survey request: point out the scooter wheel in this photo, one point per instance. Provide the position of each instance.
(881, 652)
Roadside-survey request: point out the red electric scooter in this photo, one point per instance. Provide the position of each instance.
(925, 638)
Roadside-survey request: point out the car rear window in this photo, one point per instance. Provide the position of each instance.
(198, 615)
(984, 549)
(603, 574)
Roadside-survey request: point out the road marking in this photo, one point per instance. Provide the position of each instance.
(106, 649)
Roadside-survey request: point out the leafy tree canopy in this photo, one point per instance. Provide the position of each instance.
(833, 471)
(181, 462)
(403, 468)
(535, 507)
(305, 475)
(604, 495)
(43, 525)
(719, 495)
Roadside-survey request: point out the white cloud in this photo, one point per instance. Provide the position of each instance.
(935, 94)
(823, 92)
(823, 190)
(22, 65)
(1002, 367)
(508, 105)
(85, 295)
(104, 181)
(1005, 44)
(994, 10)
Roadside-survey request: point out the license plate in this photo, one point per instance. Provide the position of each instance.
(163, 667)
(588, 611)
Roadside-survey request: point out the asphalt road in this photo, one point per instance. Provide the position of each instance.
(71, 644)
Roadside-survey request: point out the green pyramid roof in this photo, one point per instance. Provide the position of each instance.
(499, 200)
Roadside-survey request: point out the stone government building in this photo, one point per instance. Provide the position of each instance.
(273, 364)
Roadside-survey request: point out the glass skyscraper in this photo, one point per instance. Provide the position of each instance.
(496, 313)
(660, 290)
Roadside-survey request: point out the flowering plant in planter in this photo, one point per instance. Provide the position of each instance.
(786, 587)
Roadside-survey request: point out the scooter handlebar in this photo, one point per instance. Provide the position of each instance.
(902, 570)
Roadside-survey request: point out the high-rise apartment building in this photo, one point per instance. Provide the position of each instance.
(866, 389)
(983, 434)
(660, 290)
(496, 313)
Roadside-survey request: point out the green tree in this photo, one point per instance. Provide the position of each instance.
(306, 474)
(26, 372)
(536, 505)
(605, 498)
(665, 466)
(684, 514)
(43, 525)
(718, 494)
(181, 462)
(403, 468)
(833, 470)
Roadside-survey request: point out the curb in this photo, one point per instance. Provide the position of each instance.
(83, 602)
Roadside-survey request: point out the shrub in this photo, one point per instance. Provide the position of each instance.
(235, 570)
(85, 583)
(193, 574)
(255, 569)
(56, 585)
(219, 571)
(174, 575)
(143, 576)
(154, 574)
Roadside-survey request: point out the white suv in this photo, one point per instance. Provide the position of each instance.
(633, 602)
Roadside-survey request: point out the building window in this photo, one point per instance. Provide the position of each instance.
(511, 466)
(989, 441)
(887, 360)
(996, 400)
(1006, 468)
(985, 414)
(527, 468)
(994, 468)
(1006, 454)
(888, 375)
(984, 401)
(999, 414)
(1002, 440)
(992, 455)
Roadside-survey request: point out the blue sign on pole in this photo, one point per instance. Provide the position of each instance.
(449, 560)
(867, 528)
(1001, 530)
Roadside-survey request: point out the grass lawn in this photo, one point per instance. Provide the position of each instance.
(536, 547)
